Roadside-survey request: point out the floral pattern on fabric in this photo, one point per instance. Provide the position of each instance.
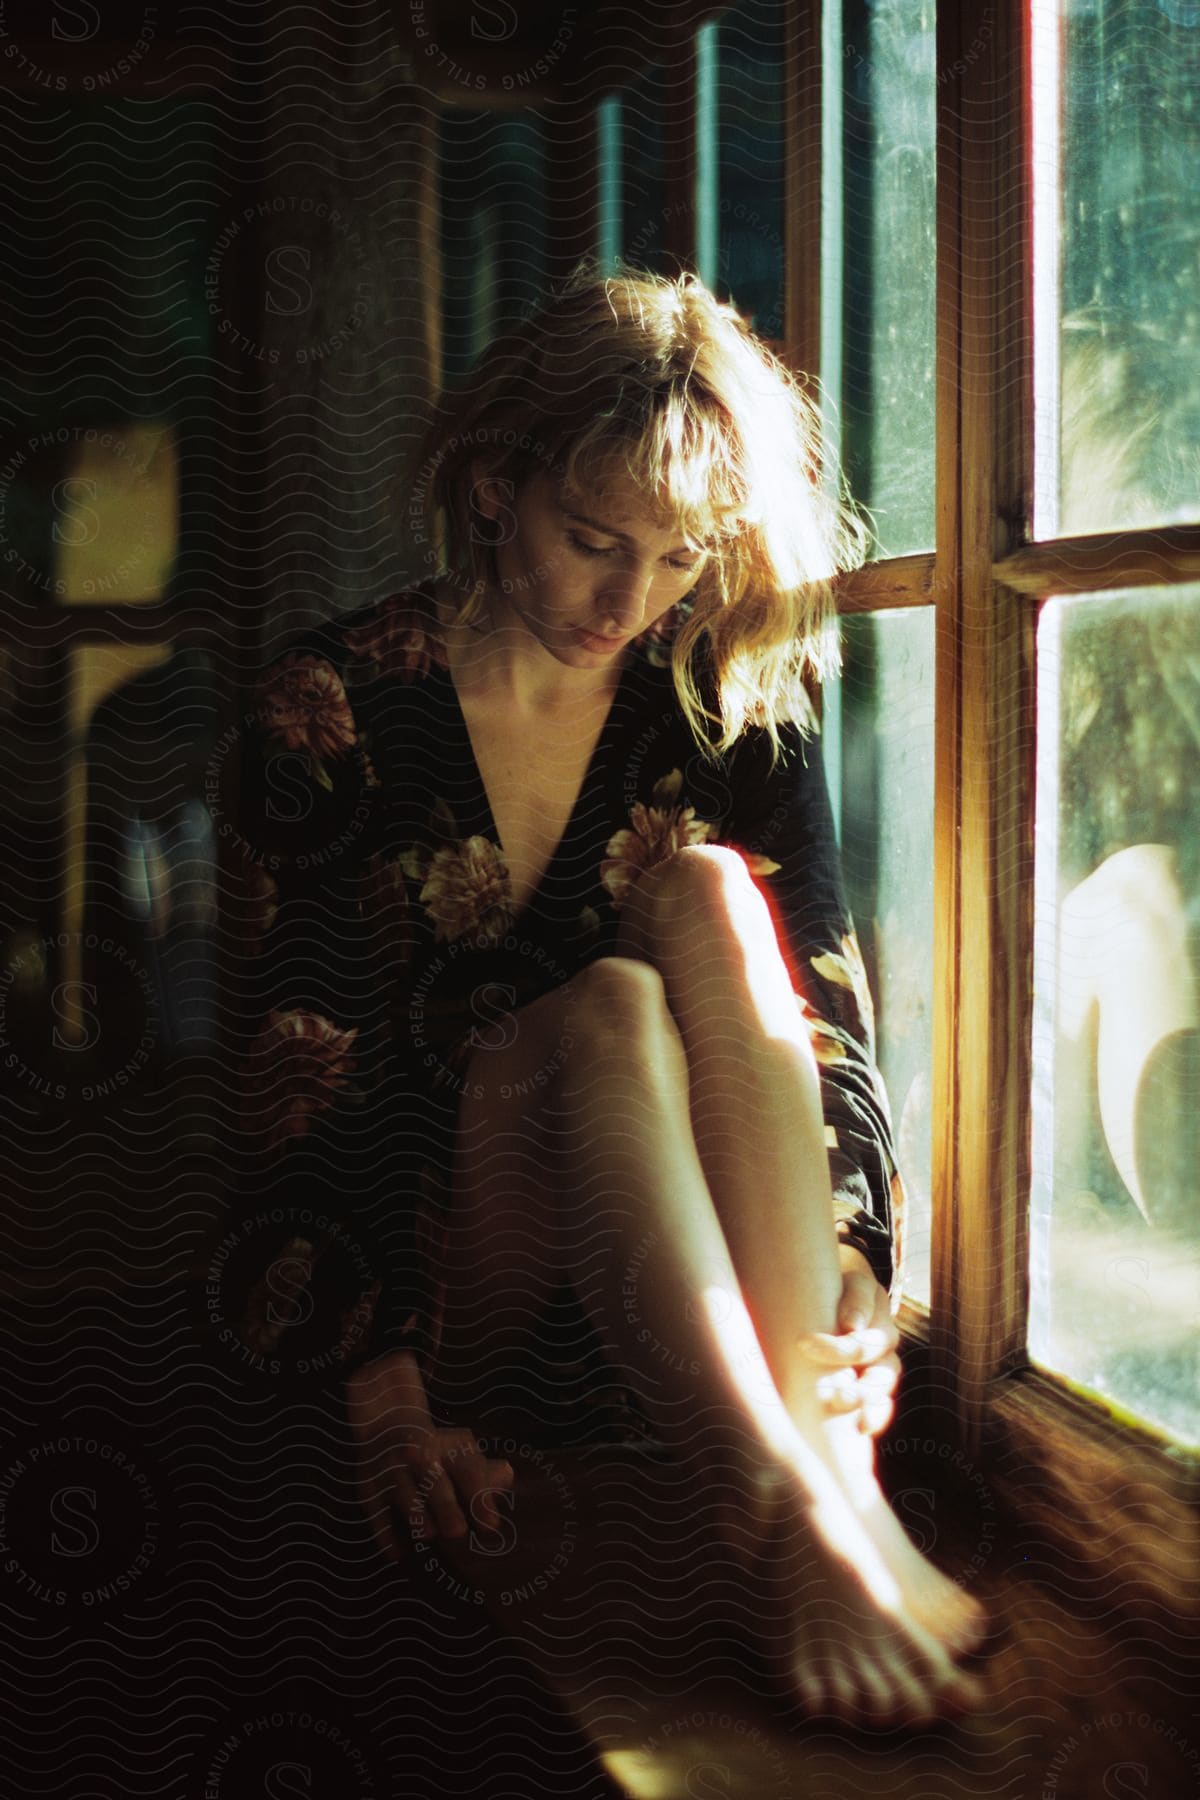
(301, 702)
(296, 1066)
(387, 912)
(848, 970)
(286, 1276)
(654, 833)
(273, 1304)
(399, 638)
(466, 892)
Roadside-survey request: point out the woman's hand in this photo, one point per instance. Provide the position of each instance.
(436, 1476)
(859, 1360)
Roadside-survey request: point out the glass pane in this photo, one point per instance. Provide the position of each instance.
(643, 177)
(608, 181)
(877, 350)
(878, 742)
(1115, 1229)
(492, 186)
(749, 236)
(1117, 199)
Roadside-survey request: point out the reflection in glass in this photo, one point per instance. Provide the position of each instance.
(1115, 1214)
(878, 286)
(1117, 207)
(877, 739)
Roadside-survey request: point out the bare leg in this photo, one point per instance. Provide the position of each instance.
(502, 1257)
(753, 1091)
(836, 1624)
(757, 1121)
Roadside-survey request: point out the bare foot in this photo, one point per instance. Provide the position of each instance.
(860, 1629)
(834, 1458)
(937, 1602)
(758, 1501)
(835, 1630)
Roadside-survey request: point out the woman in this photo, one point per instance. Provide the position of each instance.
(557, 928)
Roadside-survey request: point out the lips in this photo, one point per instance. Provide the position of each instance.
(592, 642)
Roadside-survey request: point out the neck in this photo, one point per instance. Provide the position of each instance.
(496, 658)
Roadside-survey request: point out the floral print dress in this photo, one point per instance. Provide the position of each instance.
(381, 949)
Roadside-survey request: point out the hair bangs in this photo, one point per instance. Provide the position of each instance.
(681, 458)
(653, 378)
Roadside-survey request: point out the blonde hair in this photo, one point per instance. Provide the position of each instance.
(658, 377)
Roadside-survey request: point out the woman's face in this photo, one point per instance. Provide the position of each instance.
(584, 575)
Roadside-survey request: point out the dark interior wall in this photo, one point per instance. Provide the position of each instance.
(340, 372)
(218, 241)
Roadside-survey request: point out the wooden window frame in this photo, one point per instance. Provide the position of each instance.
(1071, 1471)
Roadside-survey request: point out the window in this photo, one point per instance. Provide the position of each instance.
(877, 333)
(976, 232)
(1005, 333)
(1042, 737)
(644, 217)
(492, 229)
(741, 75)
(878, 739)
(877, 269)
(1115, 1237)
(1117, 199)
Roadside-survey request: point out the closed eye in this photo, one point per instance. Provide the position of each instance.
(585, 549)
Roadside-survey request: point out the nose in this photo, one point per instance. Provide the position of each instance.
(622, 600)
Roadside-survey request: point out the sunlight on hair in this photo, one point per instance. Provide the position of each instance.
(657, 377)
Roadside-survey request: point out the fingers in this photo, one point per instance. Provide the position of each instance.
(422, 1469)
(849, 1348)
(475, 1480)
(877, 1382)
(376, 1494)
(489, 1488)
(869, 1393)
(875, 1418)
(443, 1483)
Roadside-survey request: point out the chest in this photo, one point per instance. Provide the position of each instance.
(532, 776)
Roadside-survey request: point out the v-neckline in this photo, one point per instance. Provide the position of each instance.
(585, 782)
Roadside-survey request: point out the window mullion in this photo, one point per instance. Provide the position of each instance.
(1122, 559)
(984, 714)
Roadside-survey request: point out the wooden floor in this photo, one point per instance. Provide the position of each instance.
(608, 1589)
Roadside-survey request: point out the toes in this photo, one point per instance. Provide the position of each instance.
(964, 1624)
(877, 1695)
(966, 1694)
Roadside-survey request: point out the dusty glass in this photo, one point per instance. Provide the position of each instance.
(1115, 1211)
(878, 741)
(1116, 158)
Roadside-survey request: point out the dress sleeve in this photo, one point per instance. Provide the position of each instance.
(321, 923)
(782, 823)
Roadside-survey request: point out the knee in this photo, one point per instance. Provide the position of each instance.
(704, 886)
(622, 1005)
